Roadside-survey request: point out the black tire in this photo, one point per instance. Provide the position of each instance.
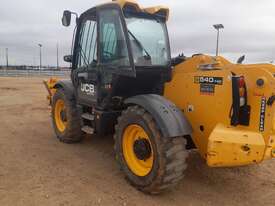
(169, 157)
(72, 133)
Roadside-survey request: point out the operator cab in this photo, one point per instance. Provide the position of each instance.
(120, 51)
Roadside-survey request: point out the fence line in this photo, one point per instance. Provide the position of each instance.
(34, 73)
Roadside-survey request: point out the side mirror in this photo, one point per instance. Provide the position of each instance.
(68, 58)
(66, 19)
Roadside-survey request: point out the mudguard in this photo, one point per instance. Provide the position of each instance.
(67, 85)
(171, 121)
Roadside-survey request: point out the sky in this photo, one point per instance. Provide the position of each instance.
(249, 28)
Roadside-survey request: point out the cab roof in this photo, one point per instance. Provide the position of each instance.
(162, 11)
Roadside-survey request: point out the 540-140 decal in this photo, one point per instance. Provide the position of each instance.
(208, 84)
(208, 80)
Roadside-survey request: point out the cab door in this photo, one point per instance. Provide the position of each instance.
(115, 48)
(115, 53)
(86, 71)
(102, 50)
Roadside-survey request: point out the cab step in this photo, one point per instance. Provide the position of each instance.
(88, 130)
(88, 116)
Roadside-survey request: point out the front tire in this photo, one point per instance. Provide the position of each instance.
(152, 163)
(66, 120)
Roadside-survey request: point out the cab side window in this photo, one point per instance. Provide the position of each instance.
(113, 47)
(110, 41)
(87, 48)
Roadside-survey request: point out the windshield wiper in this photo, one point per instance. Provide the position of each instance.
(140, 45)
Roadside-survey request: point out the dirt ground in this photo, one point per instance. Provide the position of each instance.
(36, 169)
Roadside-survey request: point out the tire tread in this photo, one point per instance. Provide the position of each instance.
(172, 158)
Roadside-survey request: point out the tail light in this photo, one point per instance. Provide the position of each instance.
(240, 112)
(242, 91)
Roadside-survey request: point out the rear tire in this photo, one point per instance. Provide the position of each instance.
(65, 118)
(169, 154)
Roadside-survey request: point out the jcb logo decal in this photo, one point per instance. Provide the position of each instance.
(89, 89)
(208, 80)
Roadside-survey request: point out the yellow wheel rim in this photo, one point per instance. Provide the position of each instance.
(60, 115)
(139, 164)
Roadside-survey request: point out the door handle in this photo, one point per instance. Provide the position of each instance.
(83, 75)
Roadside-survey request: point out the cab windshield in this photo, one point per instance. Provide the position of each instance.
(149, 41)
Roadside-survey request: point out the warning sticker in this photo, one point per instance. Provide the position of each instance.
(207, 89)
(262, 114)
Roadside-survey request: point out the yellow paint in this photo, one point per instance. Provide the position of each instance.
(123, 3)
(150, 10)
(229, 146)
(210, 111)
(270, 149)
(139, 167)
(49, 84)
(153, 10)
(59, 122)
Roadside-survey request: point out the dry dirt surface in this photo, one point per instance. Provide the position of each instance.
(36, 169)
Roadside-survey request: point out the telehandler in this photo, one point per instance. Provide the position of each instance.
(124, 82)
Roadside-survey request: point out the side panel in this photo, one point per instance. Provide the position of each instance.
(87, 88)
(205, 96)
(204, 103)
(170, 119)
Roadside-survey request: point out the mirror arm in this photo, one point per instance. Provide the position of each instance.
(76, 16)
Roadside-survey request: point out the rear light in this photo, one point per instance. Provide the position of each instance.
(242, 101)
(240, 112)
(241, 82)
(242, 91)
